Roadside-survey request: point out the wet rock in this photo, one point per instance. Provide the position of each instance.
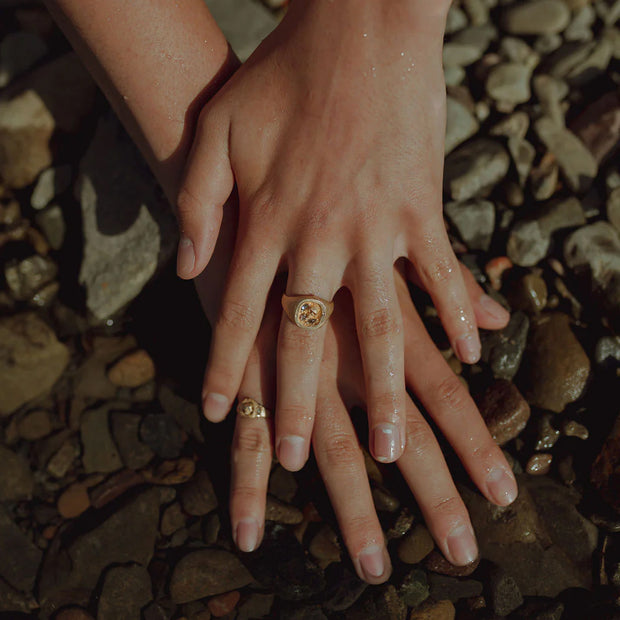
(607, 350)
(414, 588)
(27, 276)
(503, 349)
(547, 435)
(570, 428)
(73, 501)
(380, 602)
(282, 484)
(160, 432)
(551, 91)
(125, 430)
(198, 497)
(553, 381)
(539, 464)
(223, 604)
(128, 227)
(100, 453)
(206, 573)
(504, 410)
(452, 589)
(34, 425)
(577, 164)
(172, 472)
(16, 481)
(437, 563)
(514, 126)
(598, 127)
(26, 128)
(343, 588)
(530, 239)
(528, 294)
(384, 500)
(20, 558)
(475, 168)
(18, 52)
(504, 594)
(325, 546)
(509, 82)
(523, 155)
(133, 370)
(256, 606)
(415, 545)
(468, 45)
(62, 460)
(461, 124)
(593, 253)
(435, 610)
(474, 220)
(51, 183)
(115, 486)
(126, 590)
(536, 17)
(31, 360)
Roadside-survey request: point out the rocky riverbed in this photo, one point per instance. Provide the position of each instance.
(113, 499)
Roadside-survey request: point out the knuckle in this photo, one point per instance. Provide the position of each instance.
(451, 395)
(342, 452)
(245, 495)
(357, 530)
(380, 323)
(251, 441)
(447, 506)
(235, 315)
(419, 438)
(440, 271)
(386, 403)
(295, 341)
(293, 411)
(187, 204)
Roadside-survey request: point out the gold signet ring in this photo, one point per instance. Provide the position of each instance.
(307, 311)
(251, 408)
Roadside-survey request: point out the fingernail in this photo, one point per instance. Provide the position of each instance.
(372, 562)
(247, 535)
(215, 406)
(492, 308)
(385, 442)
(186, 259)
(502, 486)
(292, 452)
(468, 349)
(462, 545)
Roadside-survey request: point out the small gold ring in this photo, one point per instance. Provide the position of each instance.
(250, 408)
(307, 311)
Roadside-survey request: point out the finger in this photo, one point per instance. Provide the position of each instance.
(207, 184)
(250, 277)
(438, 269)
(341, 463)
(426, 472)
(300, 352)
(449, 404)
(252, 446)
(489, 314)
(379, 327)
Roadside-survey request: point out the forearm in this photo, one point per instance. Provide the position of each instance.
(157, 62)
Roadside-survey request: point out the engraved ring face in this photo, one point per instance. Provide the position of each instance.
(250, 408)
(310, 313)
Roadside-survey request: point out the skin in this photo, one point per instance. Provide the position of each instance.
(159, 104)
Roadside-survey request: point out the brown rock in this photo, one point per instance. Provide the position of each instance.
(126, 590)
(415, 545)
(223, 604)
(539, 464)
(439, 610)
(73, 613)
(172, 472)
(325, 547)
(133, 370)
(73, 501)
(31, 360)
(437, 563)
(558, 367)
(26, 127)
(114, 487)
(528, 294)
(34, 425)
(282, 513)
(605, 473)
(172, 519)
(198, 497)
(16, 481)
(504, 410)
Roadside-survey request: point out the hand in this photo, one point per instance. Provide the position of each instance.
(333, 132)
(336, 448)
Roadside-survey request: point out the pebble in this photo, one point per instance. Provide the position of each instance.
(461, 124)
(539, 464)
(198, 496)
(186, 413)
(468, 45)
(133, 370)
(554, 381)
(570, 428)
(207, 572)
(435, 562)
(544, 178)
(504, 595)
(125, 430)
(475, 168)
(474, 220)
(401, 526)
(161, 433)
(384, 500)
(435, 610)
(504, 410)
(514, 126)
(509, 82)
(16, 481)
(325, 546)
(415, 545)
(453, 589)
(172, 519)
(613, 208)
(126, 590)
(529, 294)
(26, 127)
(255, 606)
(73, 501)
(223, 604)
(551, 91)
(576, 163)
(61, 462)
(547, 435)
(282, 484)
(456, 20)
(280, 512)
(172, 472)
(593, 253)
(51, 183)
(379, 602)
(24, 278)
(503, 349)
(100, 453)
(536, 17)
(414, 588)
(32, 361)
(495, 270)
(607, 350)
(115, 486)
(34, 425)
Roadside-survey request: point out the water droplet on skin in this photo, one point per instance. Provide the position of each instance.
(402, 53)
(365, 35)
